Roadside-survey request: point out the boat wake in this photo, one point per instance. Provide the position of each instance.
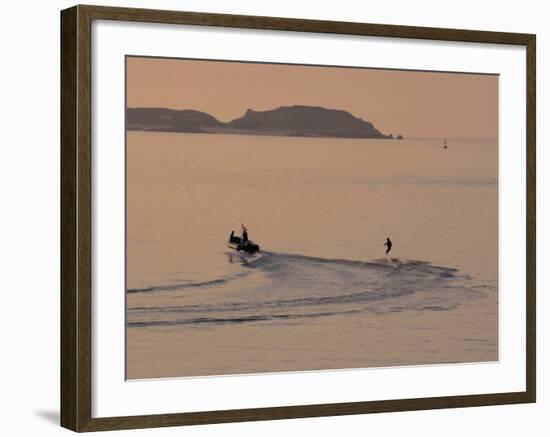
(275, 287)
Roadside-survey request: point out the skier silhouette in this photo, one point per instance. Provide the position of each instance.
(389, 244)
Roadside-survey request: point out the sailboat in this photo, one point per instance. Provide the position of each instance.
(444, 143)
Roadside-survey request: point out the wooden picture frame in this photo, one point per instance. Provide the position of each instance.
(76, 218)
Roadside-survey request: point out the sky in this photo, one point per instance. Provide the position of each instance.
(414, 104)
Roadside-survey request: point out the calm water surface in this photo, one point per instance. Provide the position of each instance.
(321, 210)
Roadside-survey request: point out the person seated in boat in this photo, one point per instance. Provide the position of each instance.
(233, 238)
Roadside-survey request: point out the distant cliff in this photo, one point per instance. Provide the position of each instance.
(306, 121)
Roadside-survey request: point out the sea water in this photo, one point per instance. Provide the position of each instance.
(321, 210)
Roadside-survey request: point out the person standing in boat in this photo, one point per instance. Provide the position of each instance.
(244, 239)
(389, 244)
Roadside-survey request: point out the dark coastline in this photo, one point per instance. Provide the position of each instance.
(293, 121)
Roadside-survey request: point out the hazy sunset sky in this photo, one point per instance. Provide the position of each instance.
(414, 104)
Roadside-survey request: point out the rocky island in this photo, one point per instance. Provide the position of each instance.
(298, 121)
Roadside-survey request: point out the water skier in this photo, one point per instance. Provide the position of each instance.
(389, 244)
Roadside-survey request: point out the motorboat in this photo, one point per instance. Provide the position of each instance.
(237, 244)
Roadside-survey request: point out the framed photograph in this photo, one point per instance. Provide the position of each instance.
(268, 218)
